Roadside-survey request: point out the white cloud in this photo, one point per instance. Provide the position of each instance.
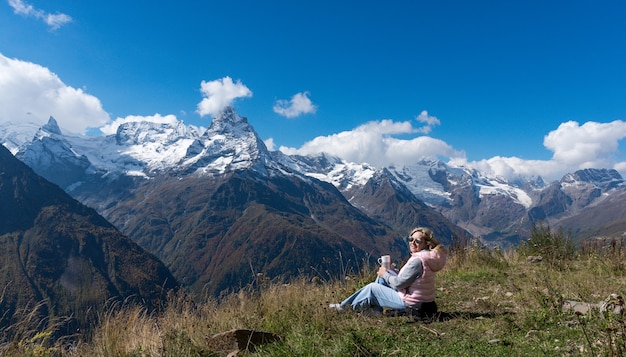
(219, 94)
(514, 167)
(430, 121)
(574, 147)
(620, 167)
(111, 128)
(373, 142)
(30, 92)
(590, 145)
(298, 104)
(269, 143)
(54, 21)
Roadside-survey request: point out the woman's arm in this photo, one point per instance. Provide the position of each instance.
(409, 272)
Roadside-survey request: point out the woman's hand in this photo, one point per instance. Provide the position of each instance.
(381, 271)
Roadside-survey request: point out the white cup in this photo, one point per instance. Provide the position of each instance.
(385, 261)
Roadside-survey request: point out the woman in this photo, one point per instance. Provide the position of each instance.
(412, 287)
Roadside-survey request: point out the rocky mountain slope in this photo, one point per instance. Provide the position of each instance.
(502, 212)
(63, 257)
(492, 209)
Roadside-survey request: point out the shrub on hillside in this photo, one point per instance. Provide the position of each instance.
(553, 246)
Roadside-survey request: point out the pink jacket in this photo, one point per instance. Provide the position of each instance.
(423, 288)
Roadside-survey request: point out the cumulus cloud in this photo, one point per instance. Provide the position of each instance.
(32, 93)
(111, 128)
(219, 94)
(375, 143)
(54, 21)
(512, 168)
(298, 104)
(589, 145)
(430, 121)
(574, 147)
(620, 167)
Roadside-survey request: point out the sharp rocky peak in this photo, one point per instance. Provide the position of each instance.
(601, 178)
(51, 126)
(229, 122)
(229, 144)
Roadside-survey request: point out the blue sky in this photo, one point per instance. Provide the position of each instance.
(510, 87)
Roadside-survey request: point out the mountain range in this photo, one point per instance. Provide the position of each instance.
(218, 208)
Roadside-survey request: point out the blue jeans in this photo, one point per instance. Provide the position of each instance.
(376, 295)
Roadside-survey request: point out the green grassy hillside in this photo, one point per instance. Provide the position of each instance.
(493, 304)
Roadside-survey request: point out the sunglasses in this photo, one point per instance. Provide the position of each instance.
(411, 239)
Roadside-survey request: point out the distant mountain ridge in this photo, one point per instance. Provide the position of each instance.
(149, 147)
(159, 183)
(491, 208)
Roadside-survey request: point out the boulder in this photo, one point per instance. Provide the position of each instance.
(232, 343)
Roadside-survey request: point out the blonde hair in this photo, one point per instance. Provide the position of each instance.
(429, 238)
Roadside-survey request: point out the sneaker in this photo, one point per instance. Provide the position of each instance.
(335, 307)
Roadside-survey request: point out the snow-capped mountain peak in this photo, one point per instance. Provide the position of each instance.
(342, 174)
(51, 127)
(229, 144)
(51, 153)
(229, 122)
(604, 179)
(136, 133)
(499, 186)
(14, 135)
(146, 148)
(426, 179)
